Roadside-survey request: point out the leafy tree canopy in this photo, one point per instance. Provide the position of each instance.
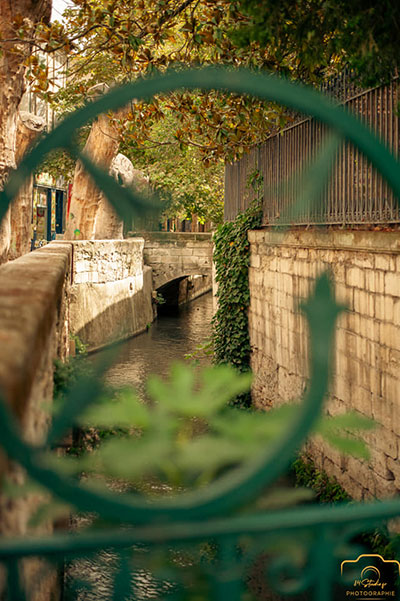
(179, 173)
(312, 38)
(182, 140)
(124, 41)
(112, 41)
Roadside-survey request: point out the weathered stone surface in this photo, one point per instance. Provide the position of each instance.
(111, 260)
(101, 290)
(367, 355)
(30, 289)
(172, 255)
(110, 295)
(105, 312)
(108, 224)
(192, 287)
(33, 315)
(123, 171)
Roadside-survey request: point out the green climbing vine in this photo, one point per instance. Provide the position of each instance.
(230, 332)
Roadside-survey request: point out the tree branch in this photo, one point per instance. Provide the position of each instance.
(176, 12)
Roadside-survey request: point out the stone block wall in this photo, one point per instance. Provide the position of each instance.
(366, 273)
(110, 293)
(192, 287)
(172, 255)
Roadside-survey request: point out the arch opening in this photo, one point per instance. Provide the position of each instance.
(181, 290)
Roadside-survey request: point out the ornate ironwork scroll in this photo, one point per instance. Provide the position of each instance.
(303, 544)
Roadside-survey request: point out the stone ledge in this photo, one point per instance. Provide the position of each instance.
(356, 241)
(30, 289)
(171, 236)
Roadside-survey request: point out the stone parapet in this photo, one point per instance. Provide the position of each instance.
(110, 294)
(33, 332)
(173, 236)
(366, 364)
(176, 255)
(101, 261)
(100, 290)
(33, 318)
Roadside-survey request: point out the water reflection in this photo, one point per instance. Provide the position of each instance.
(92, 579)
(168, 339)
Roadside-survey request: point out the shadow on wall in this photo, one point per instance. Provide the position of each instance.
(121, 320)
(182, 290)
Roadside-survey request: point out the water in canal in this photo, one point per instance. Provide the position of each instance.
(168, 339)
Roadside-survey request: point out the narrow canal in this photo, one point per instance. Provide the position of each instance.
(169, 339)
(174, 334)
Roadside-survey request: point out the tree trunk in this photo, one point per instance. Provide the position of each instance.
(29, 126)
(12, 86)
(91, 216)
(108, 224)
(101, 146)
(195, 223)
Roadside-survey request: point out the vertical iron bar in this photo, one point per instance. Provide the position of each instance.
(395, 120)
(278, 149)
(323, 562)
(297, 163)
(228, 582)
(361, 160)
(370, 191)
(377, 122)
(15, 590)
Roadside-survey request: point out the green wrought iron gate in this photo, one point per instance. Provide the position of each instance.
(216, 514)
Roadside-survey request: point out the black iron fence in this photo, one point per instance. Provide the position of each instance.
(355, 194)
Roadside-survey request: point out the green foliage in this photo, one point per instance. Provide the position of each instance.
(340, 432)
(67, 373)
(179, 438)
(200, 127)
(203, 350)
(309, 39)
(327, 490)
(188, 185)
(379, 541)
(80, 347)
(232, 259)
(187, 436)
(159, 299)
(57, 164)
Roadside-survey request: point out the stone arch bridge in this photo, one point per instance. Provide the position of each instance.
(174, 255)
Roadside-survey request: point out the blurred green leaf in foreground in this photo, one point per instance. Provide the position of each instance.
(188, 435)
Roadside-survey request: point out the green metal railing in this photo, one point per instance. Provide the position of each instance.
(217, 514)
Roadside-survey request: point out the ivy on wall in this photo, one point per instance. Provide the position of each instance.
(230, 332)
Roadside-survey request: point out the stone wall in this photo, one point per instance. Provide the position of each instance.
(192, 287)
(173, 255)
(366, 271)
(110, 293)
(100, 290)
(33, 332)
